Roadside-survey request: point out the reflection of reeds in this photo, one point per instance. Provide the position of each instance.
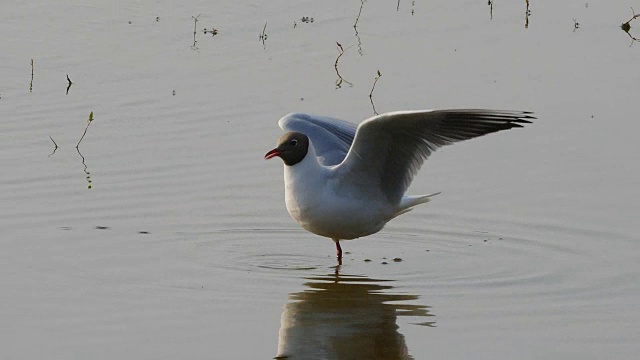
(88, 177)
(87, 173)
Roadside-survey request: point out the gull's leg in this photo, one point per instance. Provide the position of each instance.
(338, 251)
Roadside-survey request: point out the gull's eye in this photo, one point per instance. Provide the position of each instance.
(293, 142)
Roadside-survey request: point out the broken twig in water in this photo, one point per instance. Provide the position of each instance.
(31, 83)
(54, 143)
(371, 93)
(70, 83)
(195, 31)
(340, 78)
(627, 26)
(490, 3)
(213, 31)
(263, 35)
(359, 13)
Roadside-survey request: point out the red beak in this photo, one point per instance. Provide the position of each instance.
(272, 153)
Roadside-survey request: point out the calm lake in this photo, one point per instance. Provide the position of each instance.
(157, 231)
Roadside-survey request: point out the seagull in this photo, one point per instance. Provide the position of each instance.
(344, 181)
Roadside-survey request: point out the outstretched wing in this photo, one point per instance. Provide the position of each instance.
(331, 138)
(389, 149)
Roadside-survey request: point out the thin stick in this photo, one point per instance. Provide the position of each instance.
(490, 9)
(340, 78)
(371, 93)
(355, 26)
(31, 83)
(85, 129)
(70, 83)
(263, 35)
(359, 13)
(635, 16)
(526, 16)
(627, 26)
(195, 22)
(54, 143)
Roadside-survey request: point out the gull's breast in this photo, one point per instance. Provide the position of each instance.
(338, 216)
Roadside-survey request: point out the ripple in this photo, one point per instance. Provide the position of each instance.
(497, 258)
(258, 250)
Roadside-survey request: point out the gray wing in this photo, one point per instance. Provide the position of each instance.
(331, 138)
(389, 149)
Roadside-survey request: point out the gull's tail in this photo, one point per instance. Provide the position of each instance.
(408, 202)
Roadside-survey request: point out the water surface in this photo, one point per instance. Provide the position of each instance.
(182, 246)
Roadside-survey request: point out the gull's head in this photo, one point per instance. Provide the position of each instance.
(292, 148)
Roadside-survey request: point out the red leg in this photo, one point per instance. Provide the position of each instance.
(338, 250)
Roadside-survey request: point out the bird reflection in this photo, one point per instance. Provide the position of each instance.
(346, 317)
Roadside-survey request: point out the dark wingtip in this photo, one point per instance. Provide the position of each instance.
(526, 116)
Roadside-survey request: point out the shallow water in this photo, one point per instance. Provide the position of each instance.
(183, 247)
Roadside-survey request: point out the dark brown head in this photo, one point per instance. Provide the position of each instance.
(292, 148)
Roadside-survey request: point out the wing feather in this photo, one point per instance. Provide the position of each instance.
(389, 149)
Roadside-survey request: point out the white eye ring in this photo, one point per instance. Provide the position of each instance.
(293, 142)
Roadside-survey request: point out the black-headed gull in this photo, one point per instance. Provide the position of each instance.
(344, 182)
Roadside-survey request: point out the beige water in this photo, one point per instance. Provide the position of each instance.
(183, 248)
